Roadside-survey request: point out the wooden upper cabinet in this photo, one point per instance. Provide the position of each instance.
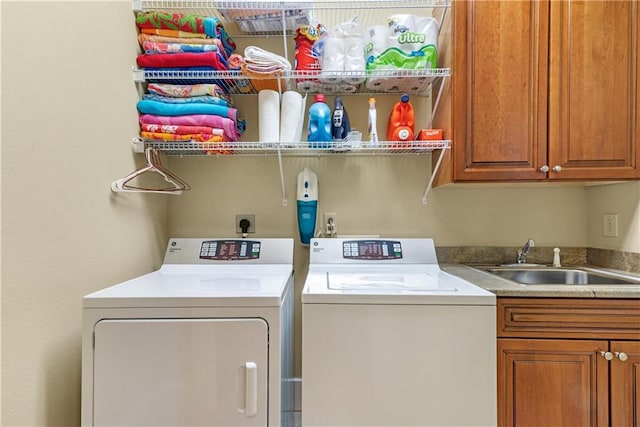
(500, 89)
(593, 105)
(538, 84)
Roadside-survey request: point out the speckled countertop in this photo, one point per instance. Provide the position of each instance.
(506, 288)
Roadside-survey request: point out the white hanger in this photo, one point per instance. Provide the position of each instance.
(154, 164)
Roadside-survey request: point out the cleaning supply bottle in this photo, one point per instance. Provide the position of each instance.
(401, 121)
(319, 127)
(307, 204)
(373, 117)
(340, 127)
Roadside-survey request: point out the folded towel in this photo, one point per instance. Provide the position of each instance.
(178, 60)
(232, 130)
(151, 48)
(181, 91)
(164, 109)
(142, 37)
(198, 137)
(209, 26)
(172, 21)
(173, 33)
(172, 100)
(181, 129)
(261, 61)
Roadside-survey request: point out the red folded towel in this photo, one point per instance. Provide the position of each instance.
(180, 60)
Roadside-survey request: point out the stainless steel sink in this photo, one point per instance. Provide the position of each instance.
(561, 276)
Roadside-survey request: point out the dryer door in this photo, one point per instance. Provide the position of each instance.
(180, 372)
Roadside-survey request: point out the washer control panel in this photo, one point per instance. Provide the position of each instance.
(371, 249)
(230, 250)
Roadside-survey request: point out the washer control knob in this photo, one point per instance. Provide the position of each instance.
(607, 355)
(622, 356)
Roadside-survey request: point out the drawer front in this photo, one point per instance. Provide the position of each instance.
(569, 318)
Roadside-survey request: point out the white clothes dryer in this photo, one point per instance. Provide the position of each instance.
(204, 340)
(389, 339)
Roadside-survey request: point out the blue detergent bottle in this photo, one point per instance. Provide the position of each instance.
(319, 127)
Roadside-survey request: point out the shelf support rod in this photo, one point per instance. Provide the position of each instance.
(284, 194)
(283, 22)
(433, 175)
(444, 14)
(437, 103)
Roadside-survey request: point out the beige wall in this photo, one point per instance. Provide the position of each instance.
(622, 199)
(68, 114)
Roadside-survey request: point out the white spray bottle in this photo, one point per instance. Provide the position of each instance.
(307, 204)
(373, 131)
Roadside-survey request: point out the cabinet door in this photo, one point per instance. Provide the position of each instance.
(625, 384)
(180, 372)
(552, 383)
(593, 105)
(500, 89)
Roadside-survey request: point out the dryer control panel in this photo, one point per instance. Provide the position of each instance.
(372, 249)
(230, 249)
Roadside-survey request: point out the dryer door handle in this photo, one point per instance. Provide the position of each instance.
(250, 389)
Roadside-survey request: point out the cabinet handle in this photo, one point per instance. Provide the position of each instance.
(544, 169)
(622, 356)
(607, 355)
(557, 168)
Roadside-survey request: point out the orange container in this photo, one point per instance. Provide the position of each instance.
(261, 81)
(430, 135)
(401, 122)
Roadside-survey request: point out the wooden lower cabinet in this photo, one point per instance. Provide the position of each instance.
(625, 384)
(552, 383)
(564, 362)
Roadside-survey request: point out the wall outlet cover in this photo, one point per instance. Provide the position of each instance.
(610, 225)
(252, 222)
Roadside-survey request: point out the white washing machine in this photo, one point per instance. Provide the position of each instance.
(389, 339)
(204, 340)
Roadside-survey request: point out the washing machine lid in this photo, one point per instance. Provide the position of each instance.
(377, 284)
(195, 286)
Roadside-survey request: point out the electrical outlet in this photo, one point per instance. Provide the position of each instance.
(252, 222)
(330, 224)
(610, 225)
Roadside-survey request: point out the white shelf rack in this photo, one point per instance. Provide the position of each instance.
(278, 15)
(258, 19)
(299, 149)
(415, 82)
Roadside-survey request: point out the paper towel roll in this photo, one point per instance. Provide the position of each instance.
(355, 70)
(347, 88)
(291, 117)
(309, 86)
(376, 40)
(354, 47)
(387, 84)
(268, 116)
(333, 58)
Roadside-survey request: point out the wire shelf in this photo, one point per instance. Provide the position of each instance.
(215, 5)
(242, 17)
(386, 148)
(328, 82)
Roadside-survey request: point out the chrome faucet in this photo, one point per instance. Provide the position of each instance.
(524, 251)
